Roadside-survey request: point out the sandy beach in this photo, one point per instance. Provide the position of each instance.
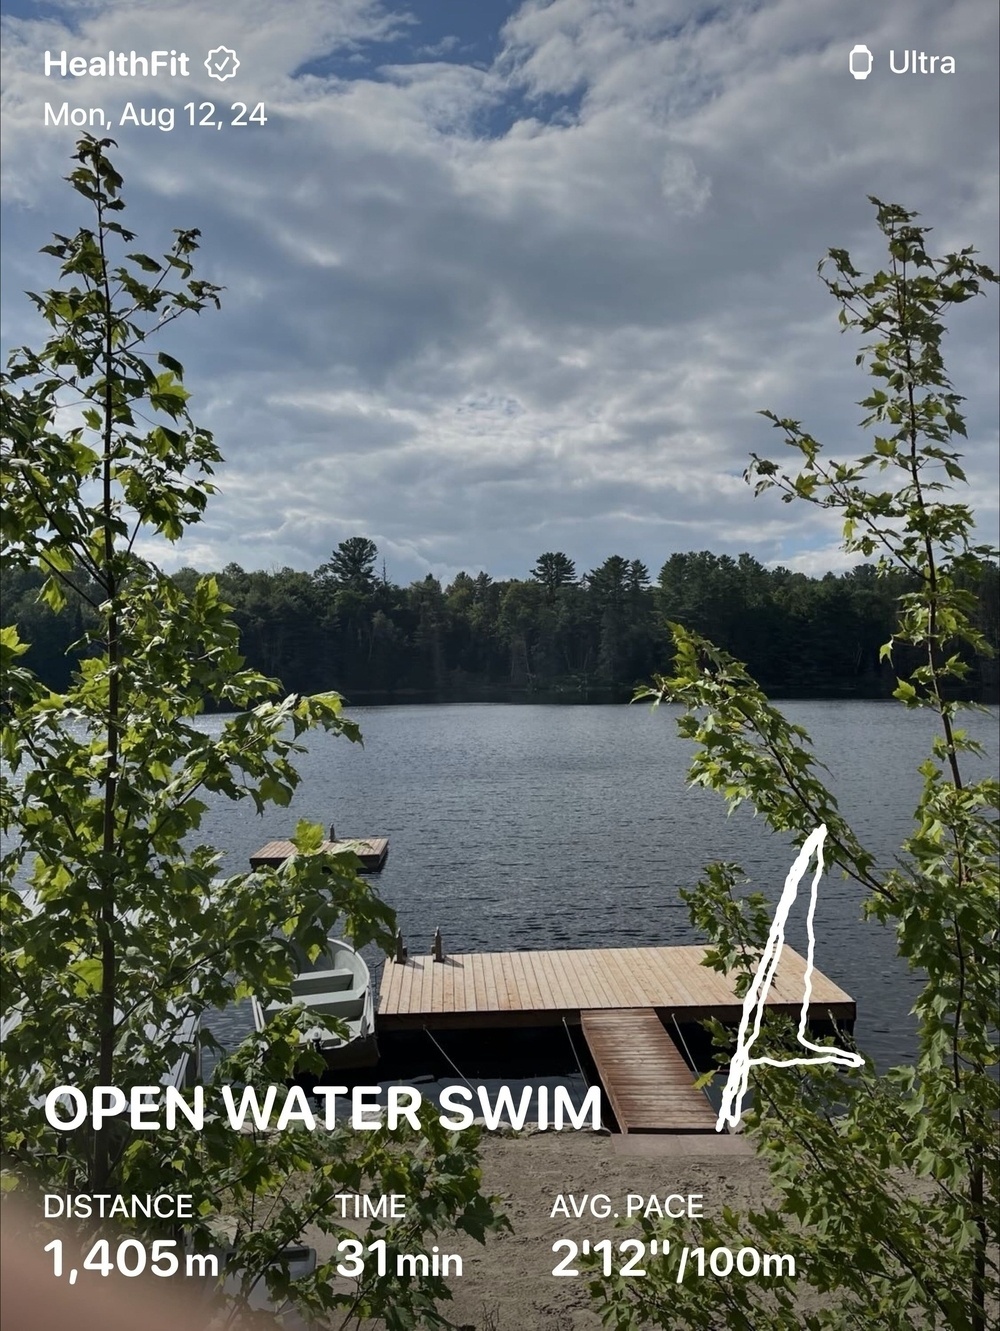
(508, 1285)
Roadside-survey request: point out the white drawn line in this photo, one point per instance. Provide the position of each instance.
(739, 1068)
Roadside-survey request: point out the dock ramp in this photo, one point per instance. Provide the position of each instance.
(650, 1086)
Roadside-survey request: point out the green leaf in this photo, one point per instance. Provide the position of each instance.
(308, 837)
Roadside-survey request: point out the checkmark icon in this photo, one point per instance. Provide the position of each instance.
(221, 63)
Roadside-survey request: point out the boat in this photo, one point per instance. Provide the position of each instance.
(185, 1073)
(336, 984)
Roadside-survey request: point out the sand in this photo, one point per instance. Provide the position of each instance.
(508, 1285)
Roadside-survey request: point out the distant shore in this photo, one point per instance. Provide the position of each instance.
(504, 695)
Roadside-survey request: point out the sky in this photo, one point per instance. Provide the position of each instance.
(507, 278)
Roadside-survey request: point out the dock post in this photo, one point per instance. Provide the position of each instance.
(400, 956)
(437, 947)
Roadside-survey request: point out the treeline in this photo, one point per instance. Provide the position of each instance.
(553, 633)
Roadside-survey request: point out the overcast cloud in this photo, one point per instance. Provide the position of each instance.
(511, 278)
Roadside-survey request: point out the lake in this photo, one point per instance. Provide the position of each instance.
(540, 827)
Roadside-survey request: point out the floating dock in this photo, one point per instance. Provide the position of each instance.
(501, 989)
(372, 851)
(622, 998)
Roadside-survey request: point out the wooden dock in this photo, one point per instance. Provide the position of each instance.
(371, 851)
(500, 989)
(650, 1086)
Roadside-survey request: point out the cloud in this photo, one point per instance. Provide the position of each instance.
(478, 312)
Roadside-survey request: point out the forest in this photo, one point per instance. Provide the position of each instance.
(555, 634)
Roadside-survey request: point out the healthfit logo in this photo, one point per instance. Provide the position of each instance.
(118, 65)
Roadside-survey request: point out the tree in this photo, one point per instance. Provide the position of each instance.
(621, 605)
(554, 570)
(608, 583)
(886, 1185)
(352, 565)
(799, 635)
(118, 931)
(349, 596)
(430, 629)
(637, 578)
(518, 622)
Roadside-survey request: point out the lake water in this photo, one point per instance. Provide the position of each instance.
(535, 827)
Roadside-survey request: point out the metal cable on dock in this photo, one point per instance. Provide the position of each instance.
(687, 1054)
(448, 1059)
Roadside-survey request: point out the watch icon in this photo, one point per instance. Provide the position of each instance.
(860, 61)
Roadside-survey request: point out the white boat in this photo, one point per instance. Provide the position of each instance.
(336, 984)
(185, 1073)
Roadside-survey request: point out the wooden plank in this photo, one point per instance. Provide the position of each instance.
(583, 982)
(446, 998)
(576, 989)
(645, 1077)
(623, 978)
(530, 988)
(579, 989)
(515, 983)
(541, 979)
(418, 973)
(464, 994)
(421, 970)
(387, 989)
(655, 981)
(401, 987)
(684, 980)
(500, 984)
(604, 984)
(566, 993)
(475, 991)
(514, 993)
(488, 960)
(414, 979)
(648, 985)
(431, 982)
(504, 1002)
(601, 981)
(483, 983)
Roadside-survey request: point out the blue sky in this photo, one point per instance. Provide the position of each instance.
(504, 278)
(450, 30)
